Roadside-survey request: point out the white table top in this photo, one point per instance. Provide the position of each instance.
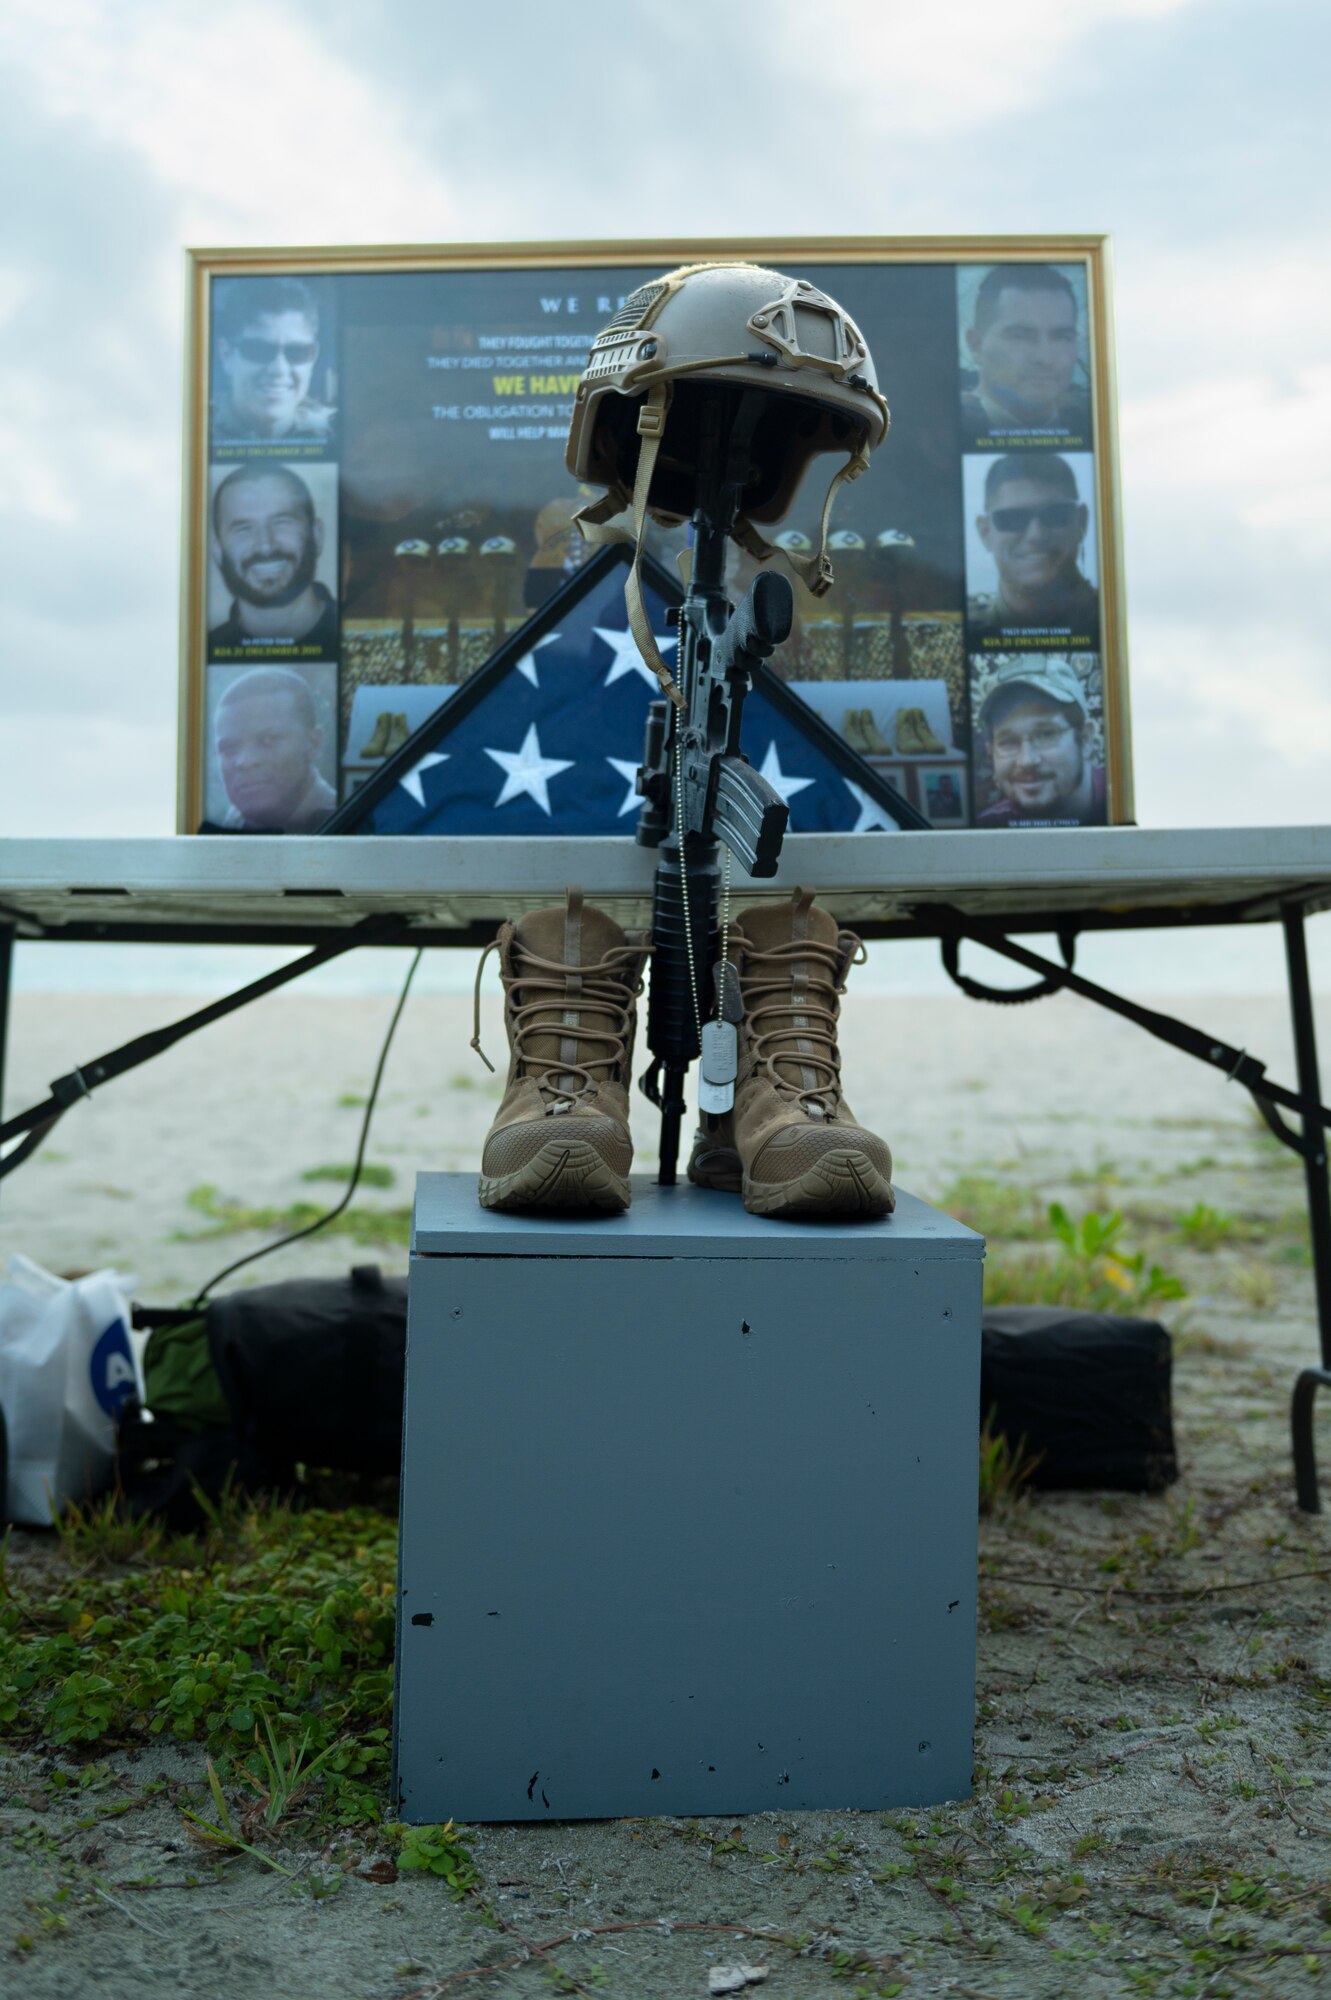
(300, 886)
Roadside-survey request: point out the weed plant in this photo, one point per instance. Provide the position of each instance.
(385, 1228)
(1006, 1469)
(994, 1208)
(1088, 1269)
(268, 1640)
(372, 1174)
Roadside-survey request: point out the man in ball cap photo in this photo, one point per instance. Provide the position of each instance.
(1034, 728)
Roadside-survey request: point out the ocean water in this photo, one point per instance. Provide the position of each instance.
(1250, 960)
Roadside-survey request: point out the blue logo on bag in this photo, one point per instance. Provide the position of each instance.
(111, 1369)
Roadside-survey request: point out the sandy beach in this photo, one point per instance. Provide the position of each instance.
(1152, 1744)
(254, 1103)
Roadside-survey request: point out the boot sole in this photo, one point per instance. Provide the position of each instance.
(843, 1183)
(566, 1173)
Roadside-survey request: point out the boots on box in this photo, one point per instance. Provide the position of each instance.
(791, 1144)
(560, 1138)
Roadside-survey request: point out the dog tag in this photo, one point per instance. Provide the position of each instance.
(725, 978)
(720, 1062)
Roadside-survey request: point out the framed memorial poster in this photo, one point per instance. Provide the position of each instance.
(377, 506)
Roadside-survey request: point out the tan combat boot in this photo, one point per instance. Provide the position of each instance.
(560, 1138)
(924, 736)
(791, 1144)
(376, 744)
(852, 728)
(874, 740)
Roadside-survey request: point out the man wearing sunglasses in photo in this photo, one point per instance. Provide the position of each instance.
(1033, 525)
(267, 344)
(1035, 734)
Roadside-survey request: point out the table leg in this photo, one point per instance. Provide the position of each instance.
(7, 937)
(1319, 1206)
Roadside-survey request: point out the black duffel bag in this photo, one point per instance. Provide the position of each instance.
(1087, 1393)
(313, 1369)
(309, 1372)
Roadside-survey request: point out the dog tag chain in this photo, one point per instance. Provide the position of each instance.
(729, 1004)
(720, 1043)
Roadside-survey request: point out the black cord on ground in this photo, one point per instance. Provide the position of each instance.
(309, 1229)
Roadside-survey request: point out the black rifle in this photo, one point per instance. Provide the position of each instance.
(698, 786)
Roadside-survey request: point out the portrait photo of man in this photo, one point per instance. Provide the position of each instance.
(1028, 546)
(268, 547)
(1022, 350)
(266, 346)
(272, 753)
(1035, 734)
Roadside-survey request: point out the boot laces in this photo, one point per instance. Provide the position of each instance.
(800, 1012)
(538, 1002)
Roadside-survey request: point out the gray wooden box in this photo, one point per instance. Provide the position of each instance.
(688, 1510)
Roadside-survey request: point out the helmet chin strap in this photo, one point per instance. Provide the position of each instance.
(814, 571)
(594, 520)
(651, 429)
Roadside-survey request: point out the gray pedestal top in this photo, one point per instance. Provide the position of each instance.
(681, 1221)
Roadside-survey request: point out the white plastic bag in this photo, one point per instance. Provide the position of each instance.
(67, 1367)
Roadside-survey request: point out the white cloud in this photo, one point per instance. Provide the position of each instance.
(258, 129)
(1231, 722)
(86, 774)
(31, 486)
(1251, 305)
(1263, 444)
(923, 71)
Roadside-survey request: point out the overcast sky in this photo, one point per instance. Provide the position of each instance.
(1195, 131)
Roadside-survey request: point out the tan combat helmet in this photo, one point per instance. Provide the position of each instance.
(635, 428)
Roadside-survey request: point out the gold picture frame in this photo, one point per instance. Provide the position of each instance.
(1090, 254)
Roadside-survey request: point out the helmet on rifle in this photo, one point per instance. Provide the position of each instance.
(637, 419)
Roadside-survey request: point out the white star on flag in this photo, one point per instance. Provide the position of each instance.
(873, 817)
(412, 782)
(628, 660)
(527, 771)
(527, 664)
(629, 773)
(776, 777)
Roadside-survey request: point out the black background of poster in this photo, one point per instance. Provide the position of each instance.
(408, 475)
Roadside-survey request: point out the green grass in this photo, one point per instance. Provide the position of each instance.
(1205, 1228)
(1085, 1266)
(1005, 1469)
(268, 1640)
(371, 1174)
(1255, 1286)
(1079, 1263)
(381, 1227)
(995, 1208)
